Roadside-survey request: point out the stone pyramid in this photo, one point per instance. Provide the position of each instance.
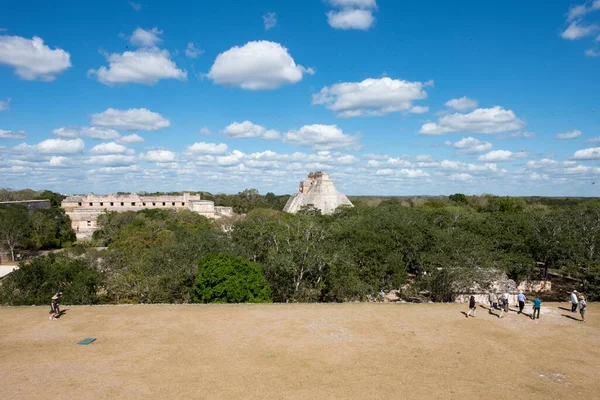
(319, 191)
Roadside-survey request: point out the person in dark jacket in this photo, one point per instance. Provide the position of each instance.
(472, 306)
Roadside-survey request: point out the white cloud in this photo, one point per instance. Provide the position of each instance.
(146, 66)
(192, 51)
(12, 134)
(370, 97)
(353, 3)
(481, 120)
(5, 105)
(579, 169)
(135, 6)
(578, 11)
(257, 65)
(111, 159)
(205, 131)
(247, 129)
(418, 110)
(146, 38)
(322, 137)
(351, 19)
(108, 148)
(592, 52)
(576, 31)
(159, 156)
(57, 161)
(461, 177)
(462, 104)
(54, 146)
(497, 155)
(66, 132)
(134, 138)
(543, 163)
(208, 148)
(131, 120)
(587, 154)
(99, 133)
(516, 135)
(270, 20)
(569, 135)
(32, 59)
(593, 140)
(472, 145)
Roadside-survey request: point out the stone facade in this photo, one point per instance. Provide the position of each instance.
(319, 191)
(85, 210)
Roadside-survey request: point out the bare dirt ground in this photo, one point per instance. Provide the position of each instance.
(298, 351)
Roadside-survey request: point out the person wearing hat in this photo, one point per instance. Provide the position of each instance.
(574, 301)
(54, 306)
(521, 297)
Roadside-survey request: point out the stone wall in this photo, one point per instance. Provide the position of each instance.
(320, 192)
(85, 210)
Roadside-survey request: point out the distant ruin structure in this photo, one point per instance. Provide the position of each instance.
(85, 210)
(320, 192)
(30, 204)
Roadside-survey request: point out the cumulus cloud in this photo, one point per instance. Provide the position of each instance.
(257, 65)
(205, 131)
(587, 154)
(351, 19)
(58, 161)
(131, 139)
(66, 132)
(133, 119)
(497, 155)
(5, 105)
(481, 120)
(192, 52)
(12, 134)
(516, 135)
(53, 146)
(405, 172)
(159, 156)
(146, 66)
(593, 140)
(462, 104)
(247, 129)
(208, 148)
(371, 97)
(146, 38)
(32, 59)
(568, 135)
(108, 148)
(99, 133)
(461, 177)
(472, 145)
(322, 137)
(269, 20)
(543, 163)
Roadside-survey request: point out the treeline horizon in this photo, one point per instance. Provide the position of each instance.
(439, 246)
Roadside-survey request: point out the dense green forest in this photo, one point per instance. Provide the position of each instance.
(439, 245)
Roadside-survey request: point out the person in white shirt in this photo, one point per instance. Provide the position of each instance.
(574, 301)
(582, 307)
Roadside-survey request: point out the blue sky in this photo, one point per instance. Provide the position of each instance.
(390, 98)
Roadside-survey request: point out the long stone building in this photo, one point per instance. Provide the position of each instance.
(320, 192)
(85, 210)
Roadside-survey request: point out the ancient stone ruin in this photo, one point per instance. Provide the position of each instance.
(318, 191)
(85, 210)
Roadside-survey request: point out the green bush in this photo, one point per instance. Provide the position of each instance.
(36, 282)
(225, 279)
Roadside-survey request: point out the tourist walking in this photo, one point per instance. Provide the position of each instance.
(574, 301)
(503, 305)
(582, 307)
(55, 306)
(537, 305)
(472, 306)
(521, 297)
(492, 299)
